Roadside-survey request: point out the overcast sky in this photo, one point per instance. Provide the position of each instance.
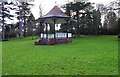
(47, 5)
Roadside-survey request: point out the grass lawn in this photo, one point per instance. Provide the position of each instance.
(0, 59)
(87, 55)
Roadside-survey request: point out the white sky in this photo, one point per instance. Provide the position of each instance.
(47, 5)
(101, 1)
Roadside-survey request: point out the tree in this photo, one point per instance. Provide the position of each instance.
(5, 13)
(102, 8)
(41, 23)
(26, 12)
(110, 23)
(23, 15)
(75, 10)
(96, 21)
(115, 5)
(119, 25)
(30, 25)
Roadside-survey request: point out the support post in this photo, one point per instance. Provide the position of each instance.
(67, 28)
(54, 31)
(40, 29)
(46, 31)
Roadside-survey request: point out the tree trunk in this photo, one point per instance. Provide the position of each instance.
(78, 31)
(24, 26)
(3, 25)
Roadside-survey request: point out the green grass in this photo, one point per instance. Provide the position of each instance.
(87, 55)
(0, 59)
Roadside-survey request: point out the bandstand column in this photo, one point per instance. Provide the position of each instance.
(67, 28)
(46, 31)
(54, 29)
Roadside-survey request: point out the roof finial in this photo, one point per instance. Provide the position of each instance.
(55, 3)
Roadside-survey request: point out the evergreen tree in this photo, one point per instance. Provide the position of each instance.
(74, 10)
(110, 23)
(96, 21)
(5, 13)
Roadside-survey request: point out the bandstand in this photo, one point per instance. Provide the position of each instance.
(55, 16)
